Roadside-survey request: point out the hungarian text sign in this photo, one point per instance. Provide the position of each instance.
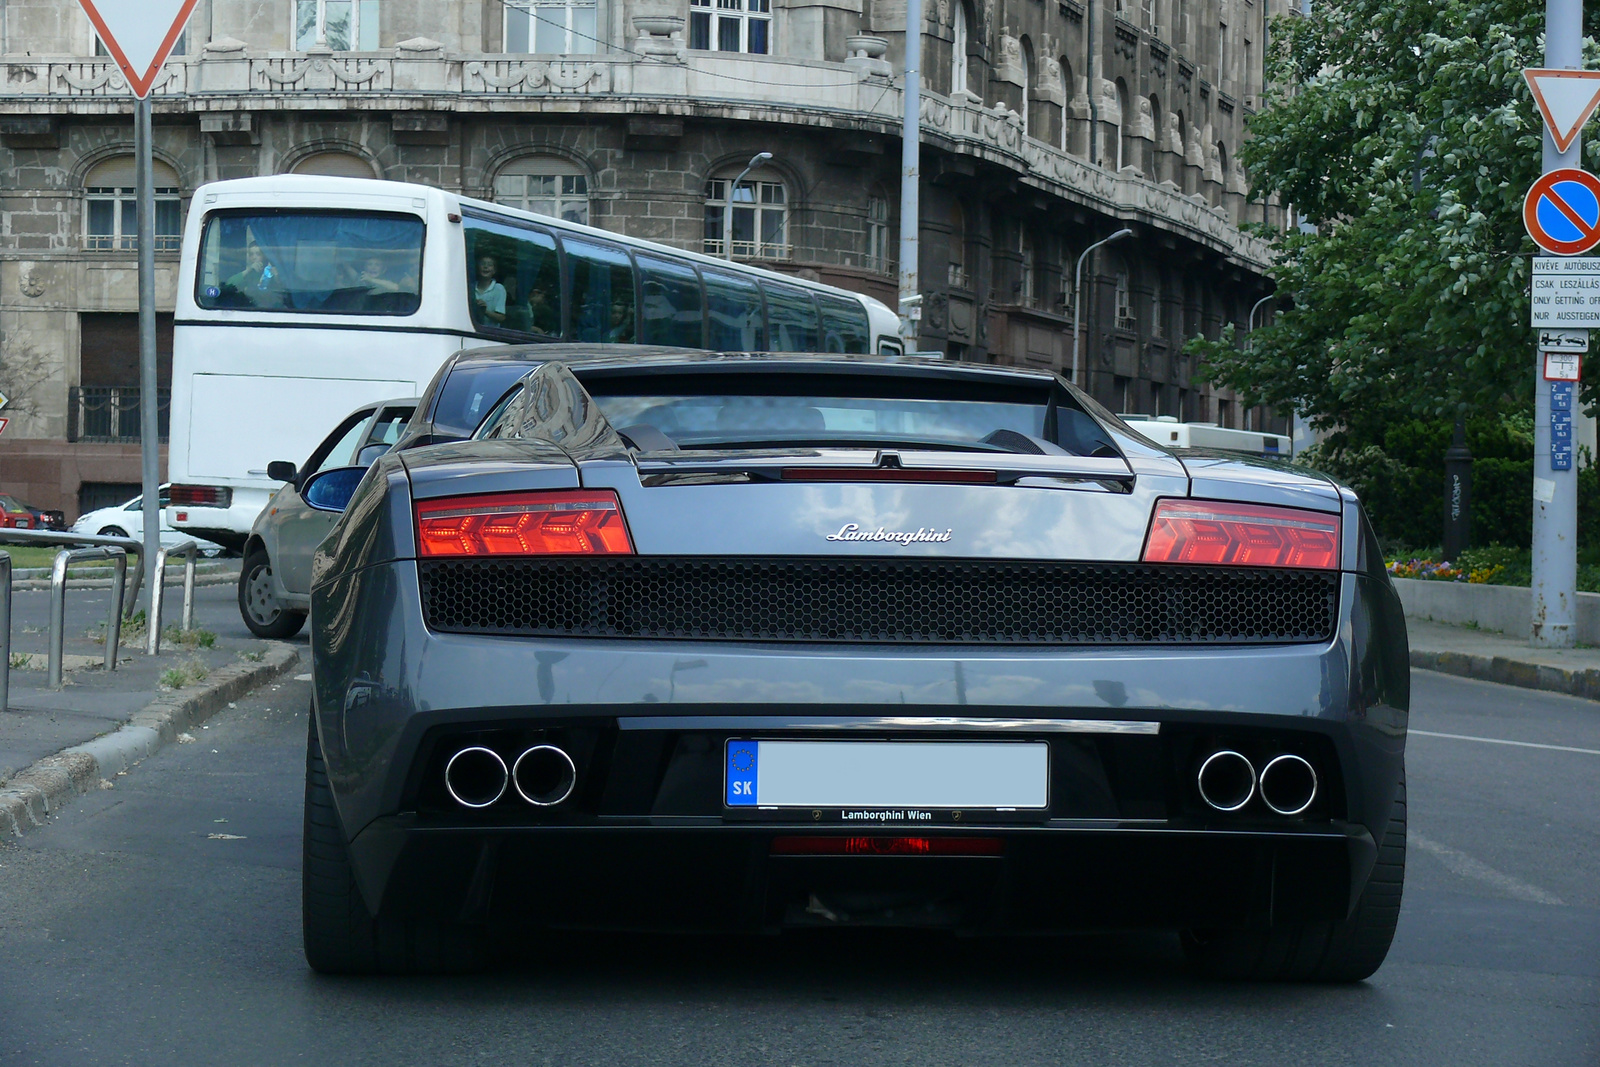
(1562, 211)
(1566, 291)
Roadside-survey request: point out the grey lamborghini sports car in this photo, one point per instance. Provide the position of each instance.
(766, 641)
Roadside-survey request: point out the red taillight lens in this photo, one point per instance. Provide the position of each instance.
(201, 496)
(887, 846)
(570, 522)
(1241, 535)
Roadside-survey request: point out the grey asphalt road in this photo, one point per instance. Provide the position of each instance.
(157, 922)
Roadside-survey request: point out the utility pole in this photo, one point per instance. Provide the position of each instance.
(149, 397)
(910, 180)
(1555, 491)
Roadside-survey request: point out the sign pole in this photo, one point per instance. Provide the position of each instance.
(1555, 490)
(911, 180)
(149, 399)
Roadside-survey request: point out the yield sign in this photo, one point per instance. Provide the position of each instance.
(1562, 211)
(139, 34)
(1566, 99)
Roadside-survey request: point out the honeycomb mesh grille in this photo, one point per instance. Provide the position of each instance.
(879, 601)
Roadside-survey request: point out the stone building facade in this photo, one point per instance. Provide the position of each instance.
(1047, 125)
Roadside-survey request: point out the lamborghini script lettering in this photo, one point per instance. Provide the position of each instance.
(851, 531)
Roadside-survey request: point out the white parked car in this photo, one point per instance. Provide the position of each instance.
(127, 520)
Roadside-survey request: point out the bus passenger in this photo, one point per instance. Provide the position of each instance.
(258, 282)
(488, 295)
(544, 315)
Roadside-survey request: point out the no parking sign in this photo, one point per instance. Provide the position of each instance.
(1562, 212)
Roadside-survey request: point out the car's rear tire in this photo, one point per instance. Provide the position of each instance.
(262, 612)
(113, 531)
(1348, 950)
(340, 934)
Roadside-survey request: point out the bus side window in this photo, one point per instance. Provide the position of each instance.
(672, 308)
(733, 314)
(600, 284)
(513, 282)
(791, 319)
(844, 325)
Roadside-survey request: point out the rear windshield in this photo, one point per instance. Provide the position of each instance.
(344, 263)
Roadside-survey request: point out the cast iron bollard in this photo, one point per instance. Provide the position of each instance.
(58, 603)
(158, 592)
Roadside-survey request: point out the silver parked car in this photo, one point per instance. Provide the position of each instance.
(275, 583)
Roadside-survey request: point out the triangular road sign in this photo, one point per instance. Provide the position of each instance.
(1566, 99)
(139, 34)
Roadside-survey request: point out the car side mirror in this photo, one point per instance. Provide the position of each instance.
(281, 470)
(331, 490)
(370, 454)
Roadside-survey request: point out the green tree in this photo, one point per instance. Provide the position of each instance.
(1405, 130)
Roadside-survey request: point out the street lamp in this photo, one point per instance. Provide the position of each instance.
(1250, 323)
(1077, 301)
(727, 212)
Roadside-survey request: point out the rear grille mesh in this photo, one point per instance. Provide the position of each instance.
(883, 601)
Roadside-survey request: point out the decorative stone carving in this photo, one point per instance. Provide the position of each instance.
(659, 35)
(1048, 87)
(1009, 68)
(419, 44)
(29, 281)
(1110, 106)
(1144, 123)
(222, 46)
(935, 309)
(865, 55)
(943, 10)
(558, 76)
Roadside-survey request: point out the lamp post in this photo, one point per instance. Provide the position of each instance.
(1250, 326)
(1077, 301)
(727, 212)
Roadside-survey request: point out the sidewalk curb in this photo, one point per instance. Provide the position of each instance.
(36, 791)
(1578, 683)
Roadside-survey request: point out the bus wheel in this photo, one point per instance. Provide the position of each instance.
(263, 613)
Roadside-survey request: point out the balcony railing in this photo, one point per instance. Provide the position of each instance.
(749, 249)
(128, 242)
(110, 413)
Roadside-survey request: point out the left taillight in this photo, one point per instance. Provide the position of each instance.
(1241, 535)
(569, 522)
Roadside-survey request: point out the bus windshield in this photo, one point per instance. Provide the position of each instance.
(316, 262)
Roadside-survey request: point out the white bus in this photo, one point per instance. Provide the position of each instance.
(1166, 430)
(302, 297)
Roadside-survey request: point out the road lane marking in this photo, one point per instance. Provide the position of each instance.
(1503, 741)
(1460, 863)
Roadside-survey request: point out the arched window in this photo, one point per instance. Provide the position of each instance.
(335, 165)
(958, 49)
(1025, 268)
(1222, 170)
(110, 217)
(958, 247)
(753, 219)
(878, 257)
(1152, 163)
(1027, 84)
(1124, 123)
(547, 185)
(551, 27)
(1068, 90)
(1124, 297)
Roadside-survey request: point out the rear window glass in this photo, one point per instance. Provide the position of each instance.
(343, 263)
(513, 282)
(469, 393)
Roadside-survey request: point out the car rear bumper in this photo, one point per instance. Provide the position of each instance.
(646, 722)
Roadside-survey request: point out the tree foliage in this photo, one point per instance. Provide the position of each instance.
(1405, 130)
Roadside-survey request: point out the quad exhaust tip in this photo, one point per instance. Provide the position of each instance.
(1288, 784)
(1227, 780)
(544, 775)
(476, 777)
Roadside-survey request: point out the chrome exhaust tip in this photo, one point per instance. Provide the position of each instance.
(1227, 780)
(544, 776)
(1288, 784)
(475, 777)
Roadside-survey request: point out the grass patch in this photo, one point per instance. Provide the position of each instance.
(191, 672)
(135, 627)
(45, 556)
(254, 657)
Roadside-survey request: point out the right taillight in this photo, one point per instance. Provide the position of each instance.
(1241, 535)
(569, 522)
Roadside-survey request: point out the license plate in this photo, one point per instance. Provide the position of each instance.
(888, 774)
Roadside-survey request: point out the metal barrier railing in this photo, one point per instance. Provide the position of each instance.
(58, 603)
(190, 551)
(69, 539)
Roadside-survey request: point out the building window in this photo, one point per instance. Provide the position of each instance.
(878, 257)
(334, 164)
(1068, 90)
(1124, 123)
(1152, 161)
(1025, 271)
(110, 217)
(958, 50)
(731, 26)
(1158, 311)
(545, 186)
(756, 222)
(551, 28)
(1027, 84)
(1222, 54)
(958, 248)
(1124, 301)
(341, 25)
